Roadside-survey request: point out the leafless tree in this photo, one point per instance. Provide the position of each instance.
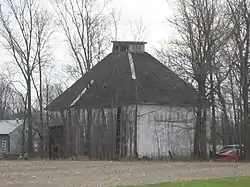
(86, 26)
(18, 30)
(5, 97)
(219, 79)
(116, 16)
(43, 32)
(240, 12)
(138, 29)
(201, 34)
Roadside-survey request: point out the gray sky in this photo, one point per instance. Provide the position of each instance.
(152, 13)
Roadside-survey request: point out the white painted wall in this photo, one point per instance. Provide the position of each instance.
(162, 129)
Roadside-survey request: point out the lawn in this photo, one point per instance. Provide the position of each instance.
(224, 182)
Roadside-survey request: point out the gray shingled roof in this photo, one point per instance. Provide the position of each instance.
(112, 83)
(7, 126)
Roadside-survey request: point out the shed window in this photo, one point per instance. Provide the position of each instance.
(4, 146)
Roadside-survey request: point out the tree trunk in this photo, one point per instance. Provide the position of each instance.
(197, 136)
(213, 136)
(23, 136)
(245, 115)
(41, 112)
(246, 86)
(236, 122)
(228, 134)
(241, 122)
(47, 114)
(200, 129)
(29, 117)
(204, 135)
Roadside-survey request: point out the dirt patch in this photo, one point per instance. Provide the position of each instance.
(85, 173)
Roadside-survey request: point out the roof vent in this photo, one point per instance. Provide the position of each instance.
(129, 46)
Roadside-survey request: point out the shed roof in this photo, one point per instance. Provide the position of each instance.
(112, 83)
(7, 126)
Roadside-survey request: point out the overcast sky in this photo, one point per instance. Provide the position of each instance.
(152, 13)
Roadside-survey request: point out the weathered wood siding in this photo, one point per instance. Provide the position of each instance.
(162, 129)
(103, 134)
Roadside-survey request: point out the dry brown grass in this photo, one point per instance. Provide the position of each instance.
(85, 173)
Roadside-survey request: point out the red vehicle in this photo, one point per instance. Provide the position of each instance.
(228, 155)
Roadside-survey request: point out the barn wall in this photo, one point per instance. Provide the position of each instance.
(103, 134)
(162, 129)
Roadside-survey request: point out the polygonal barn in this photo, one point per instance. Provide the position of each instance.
(138, 105)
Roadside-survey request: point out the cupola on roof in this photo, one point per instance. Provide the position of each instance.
(129, 46)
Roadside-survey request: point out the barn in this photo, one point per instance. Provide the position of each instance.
(138, 107)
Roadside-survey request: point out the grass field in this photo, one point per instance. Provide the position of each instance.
(224, 182)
